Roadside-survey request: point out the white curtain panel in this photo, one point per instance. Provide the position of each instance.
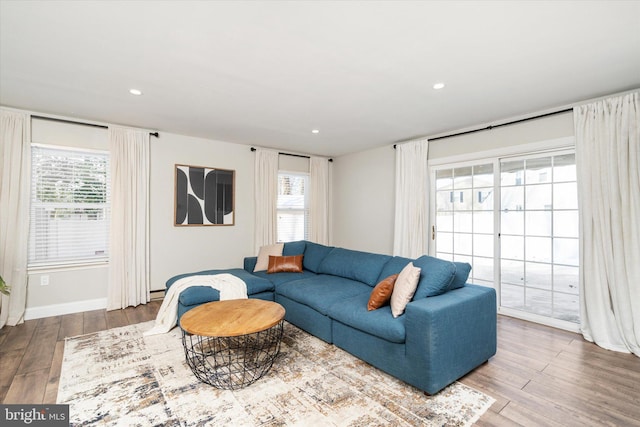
(410, 235)
(319, 200)
(608, 165)
(129, 283)
(266, 197)
(15, 165)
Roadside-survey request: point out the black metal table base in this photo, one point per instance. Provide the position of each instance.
(232, 363)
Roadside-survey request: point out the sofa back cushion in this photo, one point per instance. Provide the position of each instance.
(436, 276)
(361, 266)
(294, 248)
(313, 255)
(393, 266)
(462, 274)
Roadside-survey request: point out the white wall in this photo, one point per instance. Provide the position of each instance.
(176, 250)
(542, 129)
(363, 200)
(69, 289)
(293, 164)
(173, 250)
(364, 189)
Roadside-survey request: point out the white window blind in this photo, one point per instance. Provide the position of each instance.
(293, 207)
(70, 206)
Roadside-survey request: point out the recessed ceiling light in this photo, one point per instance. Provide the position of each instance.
(136, 92)
(438, 85)
(315, 131)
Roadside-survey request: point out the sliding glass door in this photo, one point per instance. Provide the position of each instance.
(464, 222)
(539, 236)
(515, 220)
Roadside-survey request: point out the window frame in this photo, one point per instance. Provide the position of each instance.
(304, 210)
(76, 261)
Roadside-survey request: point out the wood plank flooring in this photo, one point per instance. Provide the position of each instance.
(541, 376)
(31, 353)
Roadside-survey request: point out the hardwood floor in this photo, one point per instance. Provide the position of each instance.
(548, 377)
(540, 376)
(31, 353)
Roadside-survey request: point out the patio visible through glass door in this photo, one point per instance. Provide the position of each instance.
(539, 236)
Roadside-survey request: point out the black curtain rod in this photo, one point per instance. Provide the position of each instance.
(291, 154)
(499, 125)
(156, 134)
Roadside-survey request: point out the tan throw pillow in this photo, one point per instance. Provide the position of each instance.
(381, 294)
(263, 255)
(285, 264)
(404, 288)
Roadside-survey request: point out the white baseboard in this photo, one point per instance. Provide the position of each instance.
(543, 320)
(66, 308)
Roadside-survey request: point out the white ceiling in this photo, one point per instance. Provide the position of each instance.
(267, 73)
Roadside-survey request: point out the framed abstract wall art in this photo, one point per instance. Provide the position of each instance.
(204, 196)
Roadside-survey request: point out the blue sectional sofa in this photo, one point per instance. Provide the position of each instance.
(447, 330)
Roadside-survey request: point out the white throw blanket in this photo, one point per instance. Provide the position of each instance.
(230, 287)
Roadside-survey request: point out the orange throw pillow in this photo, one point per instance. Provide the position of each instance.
(285, 264)
(381, 294)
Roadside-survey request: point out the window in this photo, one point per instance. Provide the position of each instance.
(515, 220)
(70, 206)
(293, 207)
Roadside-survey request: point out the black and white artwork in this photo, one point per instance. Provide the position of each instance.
(204, 196)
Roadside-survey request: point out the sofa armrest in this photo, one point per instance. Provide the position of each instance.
(250, 263)
(450, 334)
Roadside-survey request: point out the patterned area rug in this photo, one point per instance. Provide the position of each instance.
(118, 377)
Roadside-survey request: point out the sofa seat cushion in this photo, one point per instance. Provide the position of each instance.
(202, 294)
(278, 278)
(380, 323)
(361, 266)
(322, 291)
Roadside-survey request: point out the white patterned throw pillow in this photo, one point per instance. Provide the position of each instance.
(263, 255)
(404, 288)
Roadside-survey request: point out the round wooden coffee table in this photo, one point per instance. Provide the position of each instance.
(232, 344)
